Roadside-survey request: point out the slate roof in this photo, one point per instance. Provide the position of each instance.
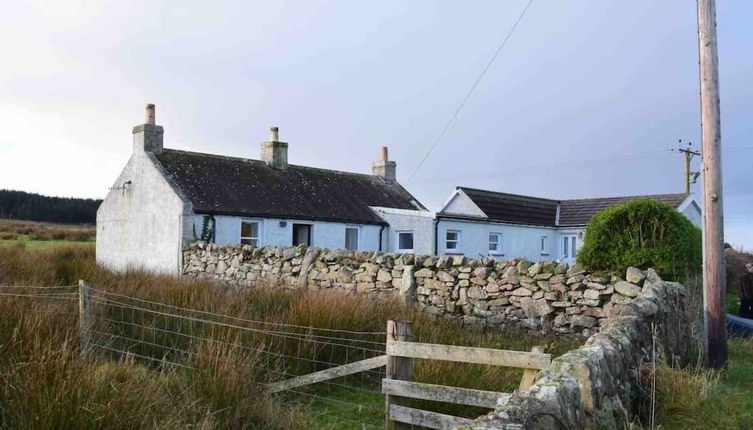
(518, 209)
(219, 185)
(513, 208)
(579, 212)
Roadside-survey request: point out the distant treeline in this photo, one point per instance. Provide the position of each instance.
(35, 207)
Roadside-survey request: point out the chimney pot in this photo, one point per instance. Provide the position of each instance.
(274, 152)
(147, 137)
(150, 114)
(384, 167)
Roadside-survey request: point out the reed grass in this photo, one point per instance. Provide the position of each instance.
(47, 383)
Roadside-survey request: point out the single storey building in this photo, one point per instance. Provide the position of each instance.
(165, 198)
(480, 223)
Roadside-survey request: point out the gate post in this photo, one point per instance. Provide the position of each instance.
(400, 368)
(84, 315)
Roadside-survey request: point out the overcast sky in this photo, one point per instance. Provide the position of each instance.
(585, 100)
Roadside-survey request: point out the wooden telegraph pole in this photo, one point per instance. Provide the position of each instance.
(713, 225)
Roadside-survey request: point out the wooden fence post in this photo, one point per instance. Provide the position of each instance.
(84, 314)
(529, 375)
(399, 368)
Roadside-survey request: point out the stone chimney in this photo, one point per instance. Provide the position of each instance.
(274, 152)
(147, 137)
(385, 168)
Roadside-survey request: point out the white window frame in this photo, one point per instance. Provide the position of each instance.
(397, 240)
(456, 241)
(258, 232)
(358, 236)
(498, 251)
(566, 246)
(543, 244)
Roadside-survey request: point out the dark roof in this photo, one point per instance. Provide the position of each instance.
(579, 212)
(513, 208)
(517, 209)
(221, 185)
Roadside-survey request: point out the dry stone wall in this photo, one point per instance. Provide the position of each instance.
(599, 384)
(544, 296)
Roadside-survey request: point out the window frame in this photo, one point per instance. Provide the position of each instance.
(456, 241)
(397, 240)
(499, 235)
(251, 238)
(543, 244)
(358, 237)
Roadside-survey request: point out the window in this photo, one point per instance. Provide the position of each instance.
(351, 238)
(543, 245)
(250, 233)
(569, 246)
(495, 243)
(302, 234)
(405, 241)
(452, 240)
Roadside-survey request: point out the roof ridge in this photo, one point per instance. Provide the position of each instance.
(627, 197)
(253, 160)
(460, 187)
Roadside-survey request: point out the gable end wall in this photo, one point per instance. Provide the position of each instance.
(140, 225)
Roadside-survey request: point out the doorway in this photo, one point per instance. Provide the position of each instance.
(569, 248)
(301, 234)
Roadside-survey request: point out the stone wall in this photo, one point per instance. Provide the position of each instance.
(544, 296)
(598, 385)
(298, 267)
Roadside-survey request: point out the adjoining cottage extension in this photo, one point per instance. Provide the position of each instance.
(477, 223)
(165, 199)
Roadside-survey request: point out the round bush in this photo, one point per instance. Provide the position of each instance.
(642, 233)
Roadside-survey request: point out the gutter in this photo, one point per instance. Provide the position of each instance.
(381, 229)
(436, 235)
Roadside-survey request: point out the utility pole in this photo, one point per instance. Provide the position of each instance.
(713, 224)
(690, 177)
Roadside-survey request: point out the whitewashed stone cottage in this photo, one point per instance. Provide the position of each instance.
(487, 223)
(166, 198)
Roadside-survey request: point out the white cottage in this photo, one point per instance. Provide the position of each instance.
(480, 223)
(165, 198)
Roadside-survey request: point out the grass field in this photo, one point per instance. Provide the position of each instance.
(33, 245)
(46, 383)
(33, 232)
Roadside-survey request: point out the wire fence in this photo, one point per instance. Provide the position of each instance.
(163, 336)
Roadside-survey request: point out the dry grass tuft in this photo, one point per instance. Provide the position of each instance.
(32, 230)
(46, 383)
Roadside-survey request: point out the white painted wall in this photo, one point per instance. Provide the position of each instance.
(421, 223)
(460, 203)
(517, 240)
(140, 225)
(324, 234)
(692, 211)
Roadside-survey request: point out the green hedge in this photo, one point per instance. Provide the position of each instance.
(642, 233)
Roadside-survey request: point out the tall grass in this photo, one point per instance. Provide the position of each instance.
(31, 230)
(696, 398)
(45, 378)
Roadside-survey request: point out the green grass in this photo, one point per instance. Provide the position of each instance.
(43, 377)
(697, 398)
(34, 245)
(733, 303)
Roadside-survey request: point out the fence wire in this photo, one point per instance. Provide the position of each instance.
(164, 336)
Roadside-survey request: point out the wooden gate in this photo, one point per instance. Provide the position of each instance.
(398, 384)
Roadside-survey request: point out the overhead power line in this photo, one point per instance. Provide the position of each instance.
(470, 92)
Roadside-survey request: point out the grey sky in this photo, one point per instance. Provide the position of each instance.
(585, 100)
